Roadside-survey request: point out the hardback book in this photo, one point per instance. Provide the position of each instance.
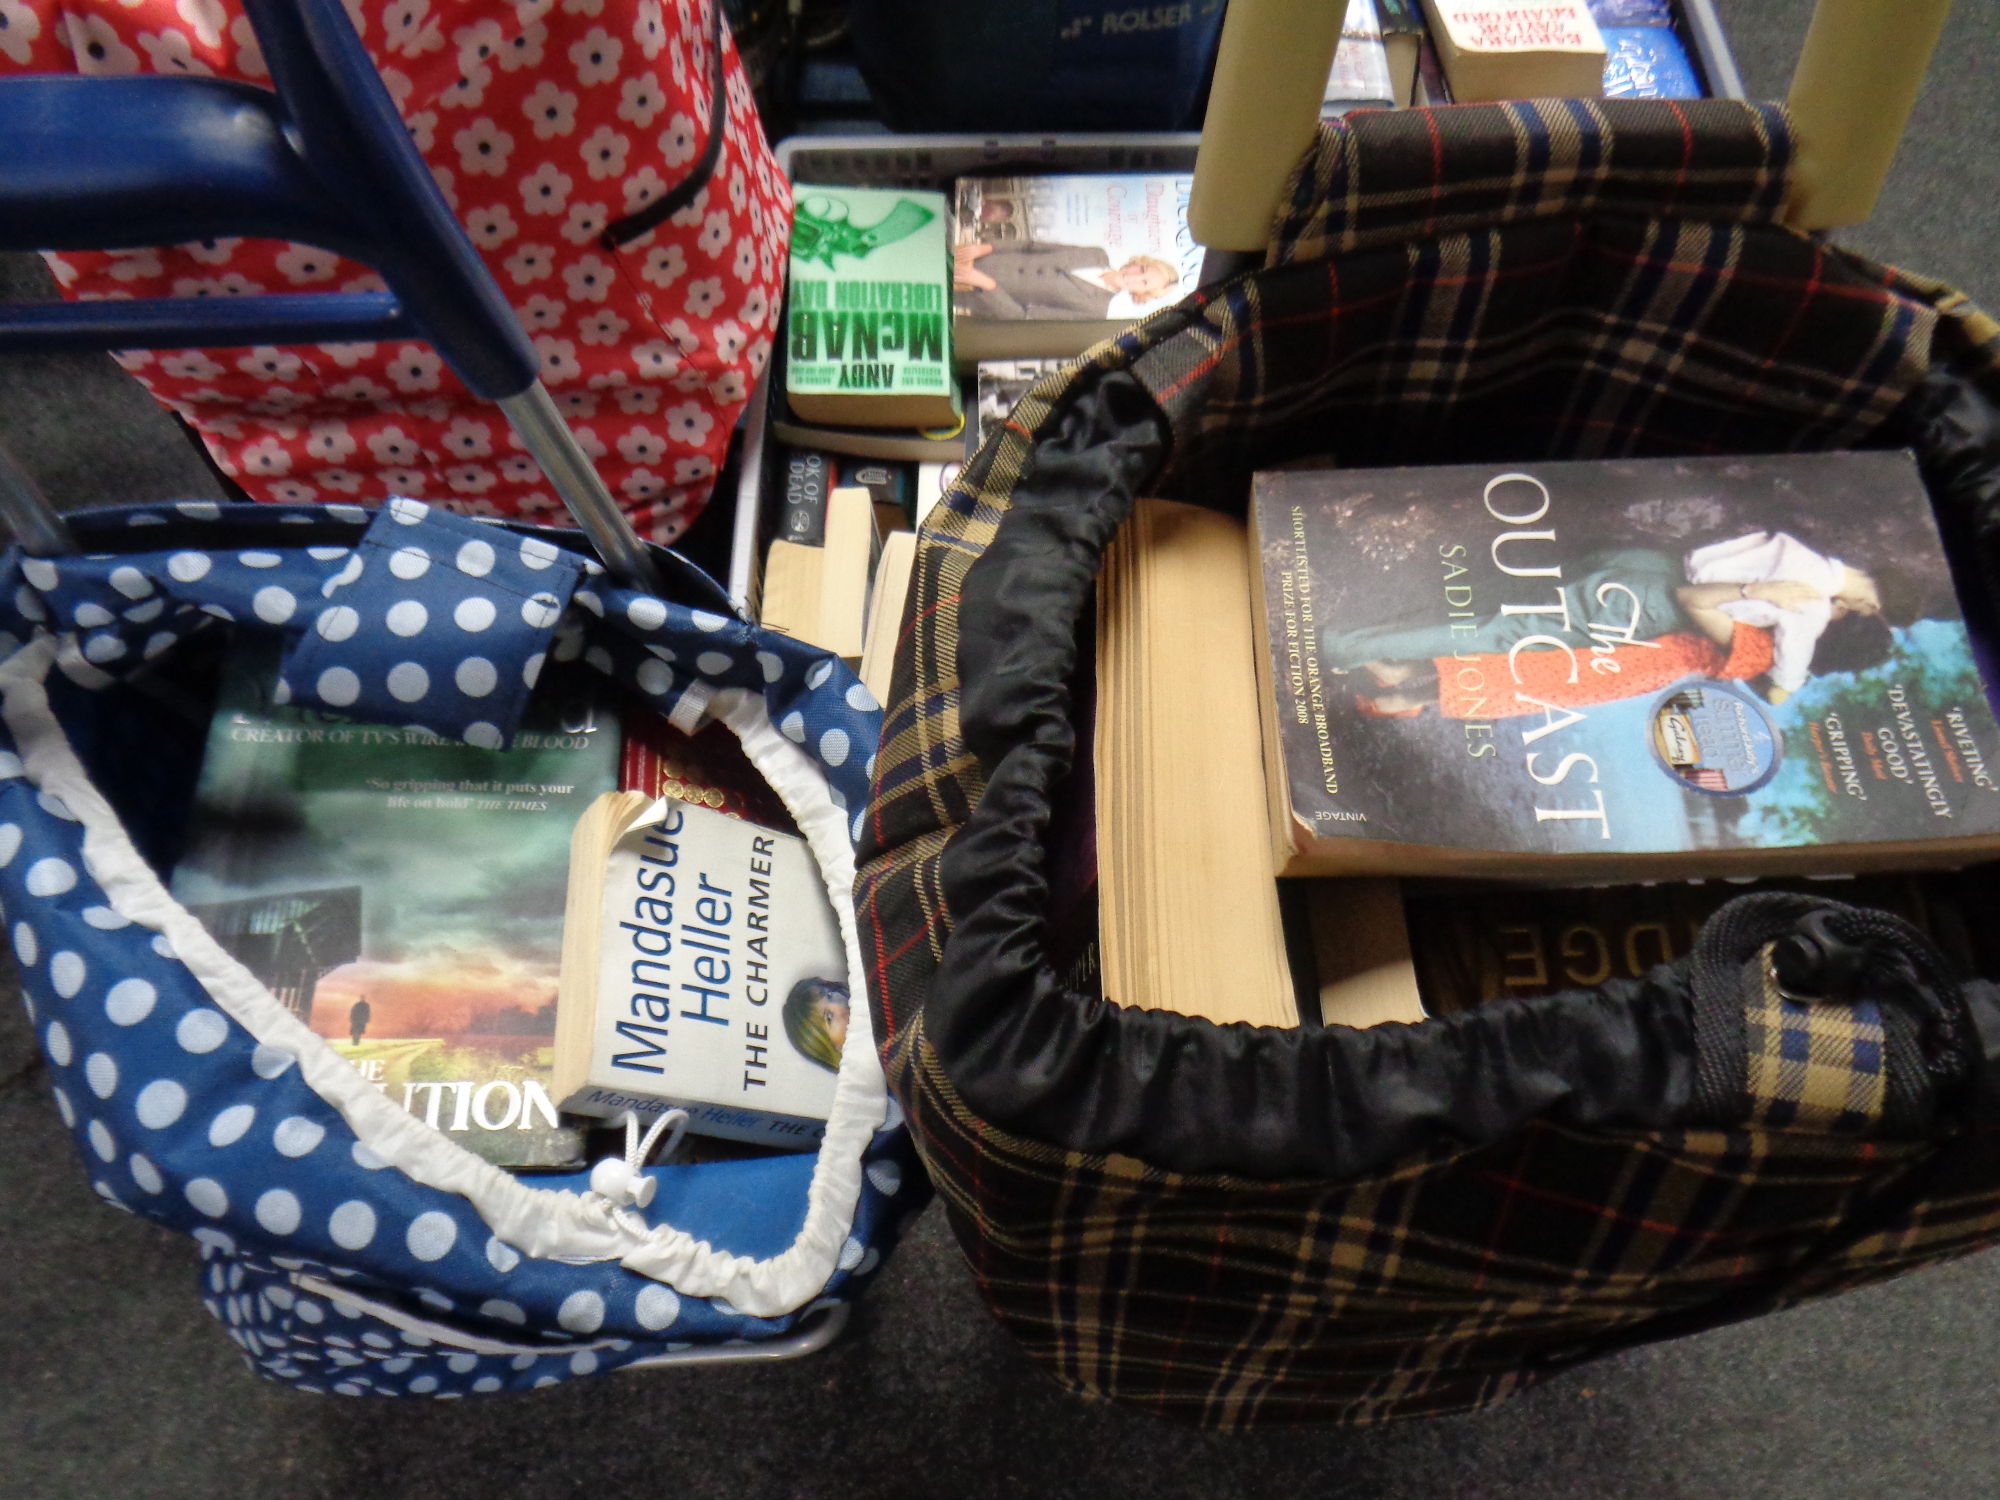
(1620, 670)
(705, 769)
(1643, 55)
(868, 308)
(1359, 77)
(1486, 943)
(1002, 382)
(886, 599)
(702, 969)
(1188, 913)
(1402, 42)
(402, 894)
(1044, 267)
(1517, 49)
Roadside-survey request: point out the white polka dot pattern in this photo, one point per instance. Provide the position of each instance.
(383, 651)
(236, 1147)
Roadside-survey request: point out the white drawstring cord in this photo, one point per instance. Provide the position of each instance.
(624, 1181)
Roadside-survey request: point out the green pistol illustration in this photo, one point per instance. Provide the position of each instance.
(820, 229)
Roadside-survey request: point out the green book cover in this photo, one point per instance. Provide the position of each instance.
(868, 321)
(403, 894)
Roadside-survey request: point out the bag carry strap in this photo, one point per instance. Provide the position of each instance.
(1858, 77)
(1389, 176)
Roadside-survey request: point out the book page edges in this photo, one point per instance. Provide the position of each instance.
(1361, 951)
(1181, 804)
(1339, 857)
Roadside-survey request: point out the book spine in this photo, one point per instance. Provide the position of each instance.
(802, 510)
(757, 1127)
(1399, 17)
(1360, 73)
(1432, 88)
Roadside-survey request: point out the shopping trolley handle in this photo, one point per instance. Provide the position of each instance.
(1857, 80)
(105, 163)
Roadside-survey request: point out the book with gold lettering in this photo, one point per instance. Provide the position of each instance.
(702, 969)
(1621, 670)
(1495, 944)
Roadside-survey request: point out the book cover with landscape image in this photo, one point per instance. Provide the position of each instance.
(403, 894)
(1640, 668)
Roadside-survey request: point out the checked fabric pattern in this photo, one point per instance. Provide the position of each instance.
(546, 126)
(1511, 281)
(1443, 1284)
(1813, 1067)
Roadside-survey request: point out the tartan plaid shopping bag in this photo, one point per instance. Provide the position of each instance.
(351, 1247)
(1234, 1225)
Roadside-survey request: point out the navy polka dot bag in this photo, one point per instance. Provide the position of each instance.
(348, 1246)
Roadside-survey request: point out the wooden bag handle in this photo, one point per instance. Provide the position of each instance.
(1857, 80)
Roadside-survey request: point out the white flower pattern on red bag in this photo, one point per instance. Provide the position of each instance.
(543, 122)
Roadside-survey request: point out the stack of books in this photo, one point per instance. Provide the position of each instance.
(1663, 680)
(915, 321)
(1397, 53)
(449, 917)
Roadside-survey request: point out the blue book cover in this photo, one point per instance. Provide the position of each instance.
(1632, 13)
(1647, 62)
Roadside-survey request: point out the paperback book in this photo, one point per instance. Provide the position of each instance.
(868, 316)
(1360, 76)
(1618, 670)
(1048, 266)
(848, 436)
(1496, 944)
(702, 969)
(403, 893)
(1002, 382)
(1517, 49)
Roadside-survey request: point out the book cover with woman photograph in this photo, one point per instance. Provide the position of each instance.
(1624, 657)
(1072, 248)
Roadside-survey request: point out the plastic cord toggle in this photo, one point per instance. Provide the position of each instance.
(623, 1179)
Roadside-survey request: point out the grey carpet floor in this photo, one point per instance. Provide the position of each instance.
(114, 1382)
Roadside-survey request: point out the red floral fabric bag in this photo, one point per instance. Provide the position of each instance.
(606, 158)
